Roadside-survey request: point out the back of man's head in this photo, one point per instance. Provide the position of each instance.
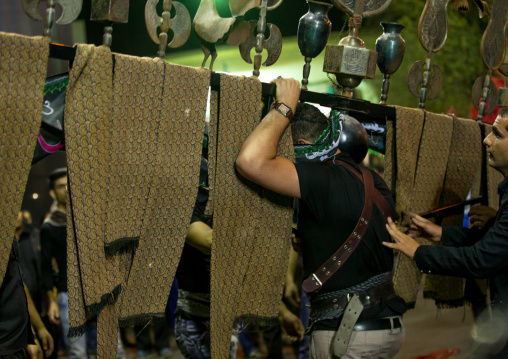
(308, 124)
(55, 175)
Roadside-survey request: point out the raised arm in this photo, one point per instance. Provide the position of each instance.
(258, 160)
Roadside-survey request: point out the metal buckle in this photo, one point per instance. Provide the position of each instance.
(317, 279)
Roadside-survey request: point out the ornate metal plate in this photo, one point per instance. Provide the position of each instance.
(70, 10)
(433, 25)
(493, 40)
(370, 7)
(110, 10)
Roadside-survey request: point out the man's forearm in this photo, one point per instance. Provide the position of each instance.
(35, 318)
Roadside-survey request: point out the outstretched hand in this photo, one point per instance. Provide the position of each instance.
(401, 241)
(481, 216)
(426, 228)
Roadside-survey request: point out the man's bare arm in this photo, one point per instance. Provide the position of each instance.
(258, 160)
(199, 235)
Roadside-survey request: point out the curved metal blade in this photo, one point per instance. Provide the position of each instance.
(370, 7)
(273, 45)
(180, 25)
(152, 20)
(477, 93)
(30, 8)
(435, 83)
(70, 11)
(415, 78)
(249, 43)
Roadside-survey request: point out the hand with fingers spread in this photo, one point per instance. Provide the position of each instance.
(401, 241)
(481, 216)
(426, 228)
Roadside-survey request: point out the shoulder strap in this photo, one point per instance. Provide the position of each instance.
(337, 260)
(379, 199)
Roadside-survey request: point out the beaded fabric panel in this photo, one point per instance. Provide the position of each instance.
(107, 333)
(248, 263)
(420, 190)
(390, 161)
(137, 87)
(463, 170)
(87, 115)
(23, 62)
(171, 196)
(494, 177)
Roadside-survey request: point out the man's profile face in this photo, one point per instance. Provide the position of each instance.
(59, 193)
(497, 145)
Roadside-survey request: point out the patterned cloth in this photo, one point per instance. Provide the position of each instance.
(87, 114)
(463, 174)
(250, 246)
(171, 196)
(23, 62)
(422, 147)
(138, 85)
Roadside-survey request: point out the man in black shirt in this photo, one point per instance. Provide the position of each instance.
(480, 252)
(333, 213)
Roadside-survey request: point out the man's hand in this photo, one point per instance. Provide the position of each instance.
(402, 242)
(34, 351)
(53, 312)
(288, 92)
(290, 324)
(481, 216)
(426, 228)
(46, 341)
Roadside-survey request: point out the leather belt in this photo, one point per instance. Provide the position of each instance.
(368, 298)
(378, 324)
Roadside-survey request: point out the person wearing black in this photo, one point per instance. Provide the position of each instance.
(354, 310)
(54, 246)
(478, 252)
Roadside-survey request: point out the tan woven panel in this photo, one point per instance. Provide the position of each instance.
(172, 194)
(137, 86)
(463, 170)
(421, 168)
(249, 222)
(107, 333)
(494, 177)
(87, 115)
(23, 62)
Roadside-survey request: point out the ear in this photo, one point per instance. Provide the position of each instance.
(52, 194)
(301, 141)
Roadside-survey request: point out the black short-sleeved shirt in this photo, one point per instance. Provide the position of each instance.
(54, 244)
(193, 271)
(332, 200)
(15, 331)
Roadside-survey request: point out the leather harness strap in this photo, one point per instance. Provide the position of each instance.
(337, 260)
(380, 201)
